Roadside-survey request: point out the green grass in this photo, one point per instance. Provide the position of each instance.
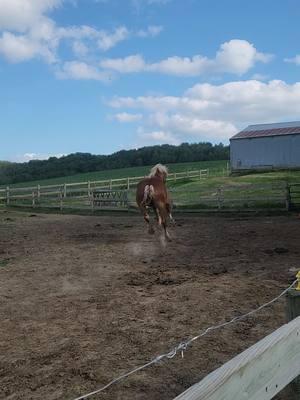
(262, 190)
(258, 178)
(268, 190)
(123, 173)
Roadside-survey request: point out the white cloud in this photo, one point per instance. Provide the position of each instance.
(294, 60)
(238, 56)
(158, 136)
(260, 77)
(81, 71)
(241, 101)
(184, 124)
(17, 48)
(28, 32)
(151, 31)
(214, 112)
(127, 65)
(138, 4)
(79, 48)
(20, 15)
(235, 56)
(108, 40)
(35, 156)
(127, 117)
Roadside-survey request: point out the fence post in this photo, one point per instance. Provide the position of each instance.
(65, 190)
(92, 201)
(7, 196)
(128, 183)
(61, 195)
(38, 191)
(293, 311)
(219, 198)
(288, 197)
(33, 199)
(89, 189)
(110, 184)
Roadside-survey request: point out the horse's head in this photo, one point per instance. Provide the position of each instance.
(160, 171)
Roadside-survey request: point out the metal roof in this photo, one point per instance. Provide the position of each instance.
(263, 130)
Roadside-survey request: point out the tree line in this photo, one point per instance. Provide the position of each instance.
(85, 162)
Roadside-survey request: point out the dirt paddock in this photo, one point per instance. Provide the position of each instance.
(84, 299)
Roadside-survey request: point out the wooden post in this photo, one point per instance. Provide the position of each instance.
(38, 191)
(7, 196)
(293, 311)
(33, 199)
(110, 184)
(200, 174)
(288, 197)
(128, 183)
(61, 195)
(219, 198)
(92, 201)
(89, 189)
(65, 190)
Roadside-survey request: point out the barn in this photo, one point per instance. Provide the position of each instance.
(266, 146)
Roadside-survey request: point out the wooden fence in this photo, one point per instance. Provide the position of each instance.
(232, 197)
(226, 197)
(239, 196)
(35, 194)
(293, 196)
(259, 373)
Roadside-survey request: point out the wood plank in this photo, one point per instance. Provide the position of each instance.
(258, 373)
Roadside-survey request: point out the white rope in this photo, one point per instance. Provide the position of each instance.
(181, 347)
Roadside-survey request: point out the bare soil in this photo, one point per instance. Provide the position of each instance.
(84, 299)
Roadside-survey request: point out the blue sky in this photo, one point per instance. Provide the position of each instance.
(101, 75)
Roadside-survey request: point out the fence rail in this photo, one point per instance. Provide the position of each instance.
(8, 193)
(239, 196)
(231, 197)
(260, 372)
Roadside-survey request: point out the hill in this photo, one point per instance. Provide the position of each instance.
(117, 173)
(77, 163)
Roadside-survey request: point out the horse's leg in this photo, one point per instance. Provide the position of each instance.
(147, 218)
(169, 210)
(163, 212)
(159, 220)
(167, 235)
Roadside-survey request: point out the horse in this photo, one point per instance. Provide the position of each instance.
(152, 193)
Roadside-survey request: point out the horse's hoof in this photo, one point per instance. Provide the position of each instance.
(151, 231)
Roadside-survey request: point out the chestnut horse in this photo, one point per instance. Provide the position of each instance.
(152, 193)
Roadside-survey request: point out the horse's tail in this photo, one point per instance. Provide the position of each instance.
(148, 194)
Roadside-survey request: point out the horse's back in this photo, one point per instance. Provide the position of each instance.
(159, 188)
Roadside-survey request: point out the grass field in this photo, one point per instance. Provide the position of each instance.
(232, 180)
(255, 190)
(258, 190)
(124, 173)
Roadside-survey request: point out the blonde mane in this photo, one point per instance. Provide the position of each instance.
(159, 170)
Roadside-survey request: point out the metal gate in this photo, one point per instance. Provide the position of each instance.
(106, 198)
(294, 189)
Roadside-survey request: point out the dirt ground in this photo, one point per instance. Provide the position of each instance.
(84, 299)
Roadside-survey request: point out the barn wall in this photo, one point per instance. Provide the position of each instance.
(265, 152)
